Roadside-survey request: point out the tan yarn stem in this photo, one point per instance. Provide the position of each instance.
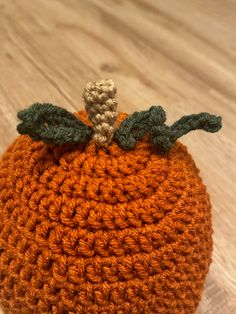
(101, 105)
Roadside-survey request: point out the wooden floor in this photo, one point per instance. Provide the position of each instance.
(180, 54)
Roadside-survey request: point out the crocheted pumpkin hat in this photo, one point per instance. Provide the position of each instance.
(103, 212)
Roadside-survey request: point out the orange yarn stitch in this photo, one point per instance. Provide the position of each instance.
(87, 230)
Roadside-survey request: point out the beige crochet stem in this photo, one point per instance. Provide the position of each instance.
(101, 105)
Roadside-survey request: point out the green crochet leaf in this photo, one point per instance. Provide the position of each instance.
(137, 125)
(162, 136)
(52, 125)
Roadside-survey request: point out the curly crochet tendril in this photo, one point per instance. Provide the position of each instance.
(52, 124)
(152, 121)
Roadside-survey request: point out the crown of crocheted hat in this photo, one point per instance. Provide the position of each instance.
(51, 124)
(103, 212)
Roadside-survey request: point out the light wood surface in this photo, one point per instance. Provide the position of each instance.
(180, 54)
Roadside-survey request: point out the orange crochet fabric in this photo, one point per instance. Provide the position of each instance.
(87, 230)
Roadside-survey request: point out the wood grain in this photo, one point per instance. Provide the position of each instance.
(180, 54)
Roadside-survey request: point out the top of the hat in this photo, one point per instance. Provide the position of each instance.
(55, 125)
